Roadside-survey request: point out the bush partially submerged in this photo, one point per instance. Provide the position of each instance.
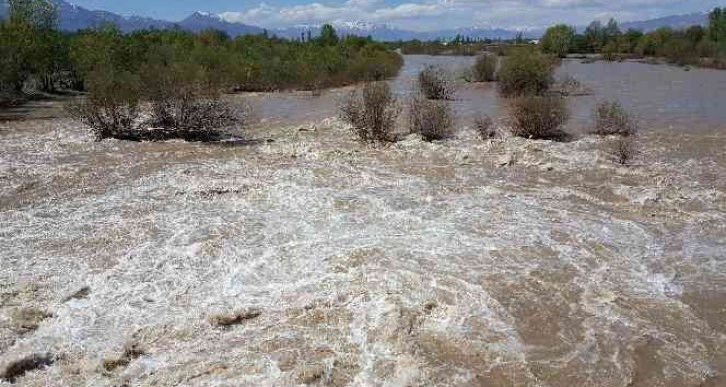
(434, 84)
(432, 119)
(485, 68)
(371, 112)
(624, 150)
(181, 105)
(112, 107)
(485, 128)
(538, 117)
(525, 72)
(612, 119)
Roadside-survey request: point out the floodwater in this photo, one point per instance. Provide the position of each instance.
(662, 97)
(506, 262)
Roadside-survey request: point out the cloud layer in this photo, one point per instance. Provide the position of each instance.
(429, 15)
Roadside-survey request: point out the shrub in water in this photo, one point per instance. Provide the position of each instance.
(371, 112)
(525, 72)
(485, 68)
(432, 119)
(612, 119)
(433, 83)
(539, 117)
(624, 150)
(112, 106)
(485, 127)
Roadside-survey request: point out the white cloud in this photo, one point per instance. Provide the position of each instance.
(440, 14)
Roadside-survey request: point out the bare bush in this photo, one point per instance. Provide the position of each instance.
(539, 117)
(624, 150)
(196, 118)
(485, 128)
(112, 107)
(485, 68)
(106, 117)
(612, 119)
(434, 84)
(371, 112)
(570, 86)
(432, 119)
(525, 72)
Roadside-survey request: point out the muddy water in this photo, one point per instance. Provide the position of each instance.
(460, 263)
(661, 97)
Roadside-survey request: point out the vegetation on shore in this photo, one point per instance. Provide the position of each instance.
(35, 56)
(694, 45)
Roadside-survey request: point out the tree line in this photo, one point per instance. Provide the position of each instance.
(692, 45)
(36, 56)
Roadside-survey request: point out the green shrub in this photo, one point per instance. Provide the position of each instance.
(433, 83)
(612, 119)
(538, 117)
(432, 119)
(485, 68)
(371, 112)
(525, 72)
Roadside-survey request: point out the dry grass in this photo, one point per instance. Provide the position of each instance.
(432, 119)
(371, 112)
(434, 84)
(612, 119)
(539, 117)
(485, 68)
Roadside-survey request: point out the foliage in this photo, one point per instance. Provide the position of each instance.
(611, 119)
(525, 72)
(461, 46)
(717, 26)
(432, 119)
(371, 112)
(694, 45)
(485, 68)
(32, 49)
(433, 83)
(558, 40)
(538, 117)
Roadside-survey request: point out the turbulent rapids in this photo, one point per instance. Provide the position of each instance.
(309, 258)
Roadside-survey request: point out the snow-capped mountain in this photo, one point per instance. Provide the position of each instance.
(73, 17)
(199, 21)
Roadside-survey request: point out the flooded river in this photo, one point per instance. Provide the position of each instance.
(312, 259)
(661, 97)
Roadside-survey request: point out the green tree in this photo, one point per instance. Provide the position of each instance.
(558, 40)
(40, 14)
(328, 36)
(717, 27)
(29, 44)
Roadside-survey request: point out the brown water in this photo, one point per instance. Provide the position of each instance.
(459, 263)
(661, 97)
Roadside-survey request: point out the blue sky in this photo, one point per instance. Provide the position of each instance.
(411, 14)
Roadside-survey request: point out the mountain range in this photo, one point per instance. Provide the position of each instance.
(73, 17)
